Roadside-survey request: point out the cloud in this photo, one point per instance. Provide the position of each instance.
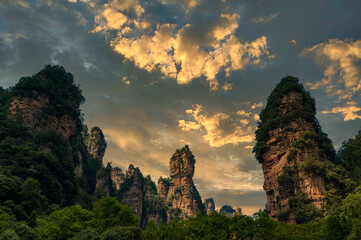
(341, 60)
(227, 86)
(197, 48)
(349, 111)
(257, 105)
(219, 128)
(186, 4)
(265, 19)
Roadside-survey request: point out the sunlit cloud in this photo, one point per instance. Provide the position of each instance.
(180, 51)
(265, 19)
(257, 105)
(227, 86)
(349, 111)
(341, 60)
(186, 4)
(219, 128)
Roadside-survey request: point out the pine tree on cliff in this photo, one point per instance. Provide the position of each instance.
(293, 151)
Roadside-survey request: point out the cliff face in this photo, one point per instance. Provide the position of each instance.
(141, 195)
(154, 207)
(118, 177)
(180, 190)
(209, 205)
(31, 109)
(288, 139)
(131, 191)
(97, 144)
(41, 114)
(104, 180)
(227, 210)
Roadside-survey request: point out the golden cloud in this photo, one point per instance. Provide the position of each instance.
(173, 50)
(219, 128)
(349, 111)
(342, 71)
(186, 4)
(265, 19)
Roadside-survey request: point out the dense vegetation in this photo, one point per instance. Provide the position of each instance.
(109, 219)
(36, 162)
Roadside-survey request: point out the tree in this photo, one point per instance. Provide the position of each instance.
(108, 212)
(64, 223)
(122, 233)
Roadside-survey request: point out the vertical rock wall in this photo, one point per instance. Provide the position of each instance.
(180, 190)
(288, 138)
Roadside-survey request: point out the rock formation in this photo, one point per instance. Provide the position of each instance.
(180, 190)
(227, 210)
(39, 112)
(238, 211)
(131, 191)
(209, 205)
(97, 144)
(45, 110)
(118, 177)
(141, 195)
(289, 138)
(154, 207)
(104, 180)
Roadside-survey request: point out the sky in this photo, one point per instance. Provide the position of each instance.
(159, 74)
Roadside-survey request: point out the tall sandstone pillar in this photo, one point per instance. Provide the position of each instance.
(180, 190)
(290, 144)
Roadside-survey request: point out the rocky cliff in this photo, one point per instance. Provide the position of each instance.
(141, 195)
(227, 210)
(118, 177)
(97, 144)
(104, 182)
(41, 115)
(131, 191)
(289, 138)
(180, 190)
(209, 205)
(40, 108)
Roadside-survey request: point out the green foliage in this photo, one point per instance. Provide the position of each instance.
(270, 117)
(303, 208)
(64, 223)
(86, 234)
(108, 212)
(355, 233)
(9, 234)
(70, 222)
(25, 232)
(154, 204)
(351, 206)
(292, 155)
(350, 155)
(288, 179)
(125, 186)
(312, 166)
(122, 233)
(310, 139)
